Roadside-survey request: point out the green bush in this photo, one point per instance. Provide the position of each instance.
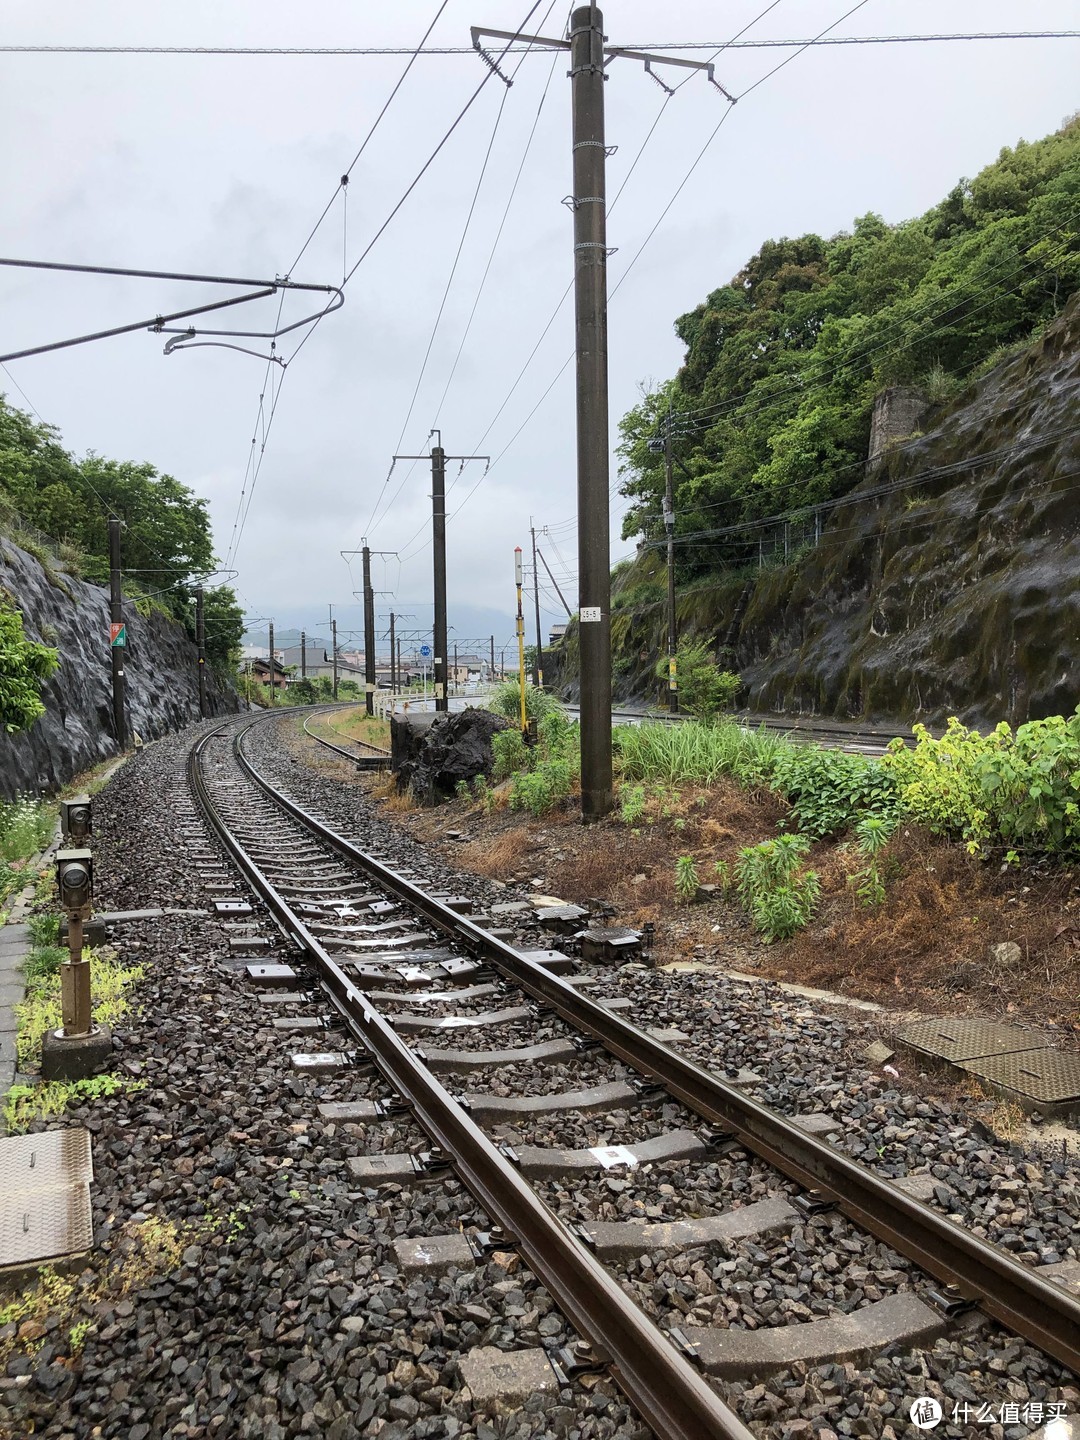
(24, 666)
(704, 689)
(780, 900)
(26, 826)
(540, 790)
(872, 834)
(686, 878)
(830, 791)
(510, 753)
(631, 803)
(1019, 789)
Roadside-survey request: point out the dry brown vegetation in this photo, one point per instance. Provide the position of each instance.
(926, 948)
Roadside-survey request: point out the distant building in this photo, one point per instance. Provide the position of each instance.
(556, 634)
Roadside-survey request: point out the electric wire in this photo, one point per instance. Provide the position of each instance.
(444, 50)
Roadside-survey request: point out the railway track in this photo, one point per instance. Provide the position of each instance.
(363, 755)
(810, 730)
(375, 962)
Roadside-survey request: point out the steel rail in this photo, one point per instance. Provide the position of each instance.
(660, 1382)
(1036, 1309)
(349, 755)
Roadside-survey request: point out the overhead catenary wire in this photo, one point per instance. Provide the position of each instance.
(436, 51)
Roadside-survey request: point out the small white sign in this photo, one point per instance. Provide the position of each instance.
(610, 1156)
(589, 612)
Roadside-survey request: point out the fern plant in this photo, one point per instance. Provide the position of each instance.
(779, 899)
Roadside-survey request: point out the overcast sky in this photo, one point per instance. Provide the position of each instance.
(223, 165)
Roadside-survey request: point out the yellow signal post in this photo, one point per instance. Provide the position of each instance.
(521, 639)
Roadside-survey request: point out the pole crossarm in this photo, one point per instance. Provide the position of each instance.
(612, 52)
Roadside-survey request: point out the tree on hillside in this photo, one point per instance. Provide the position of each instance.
(782, 364)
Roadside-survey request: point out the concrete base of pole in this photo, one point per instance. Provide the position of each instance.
(75, 1057)
(93, 931)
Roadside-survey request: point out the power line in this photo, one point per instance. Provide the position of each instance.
(444, 50)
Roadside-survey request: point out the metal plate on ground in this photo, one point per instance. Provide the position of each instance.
(965, 1039)
(38, 1225)
(50, 1161)
(1046, 1076)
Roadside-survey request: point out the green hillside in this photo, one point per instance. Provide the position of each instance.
(783, 363)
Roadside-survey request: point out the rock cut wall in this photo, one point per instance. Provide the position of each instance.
(76, 731)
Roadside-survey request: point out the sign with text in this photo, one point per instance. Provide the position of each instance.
(118, 635)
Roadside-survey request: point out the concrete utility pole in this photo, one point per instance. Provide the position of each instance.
(491, 677)
(303, 654)
(438, 530)
(117, 636)
(272, 691)
(538, 661)
(369, 636)
(393, 659)
(588, 58)
(590, 317)
(333, 646)
(439, 458)
(455, 666)
(200, 641)
(669, 526)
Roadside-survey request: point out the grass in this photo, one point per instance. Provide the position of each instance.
(26, 827)
(23, 1104)
(110, 984)
(694, 754)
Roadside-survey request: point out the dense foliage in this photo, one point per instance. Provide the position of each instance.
(23, 666)
(783, 363)
(166, 542)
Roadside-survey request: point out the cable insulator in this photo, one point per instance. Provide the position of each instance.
(493, 66)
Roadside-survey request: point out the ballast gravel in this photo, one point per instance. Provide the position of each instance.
(274, 1306)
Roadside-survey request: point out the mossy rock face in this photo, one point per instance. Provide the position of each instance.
(955, 595)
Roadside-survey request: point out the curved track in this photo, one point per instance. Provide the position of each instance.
(365, 756)
(321, 888)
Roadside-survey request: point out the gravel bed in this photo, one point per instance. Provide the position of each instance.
(242, 1284)
(810, 1058)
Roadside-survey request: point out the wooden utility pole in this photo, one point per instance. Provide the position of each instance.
(272, 690)
(491, 677)
(333, 646)
(369, 636)
(538, 661)
(303, 654)
(117, 636)
(200, 641)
